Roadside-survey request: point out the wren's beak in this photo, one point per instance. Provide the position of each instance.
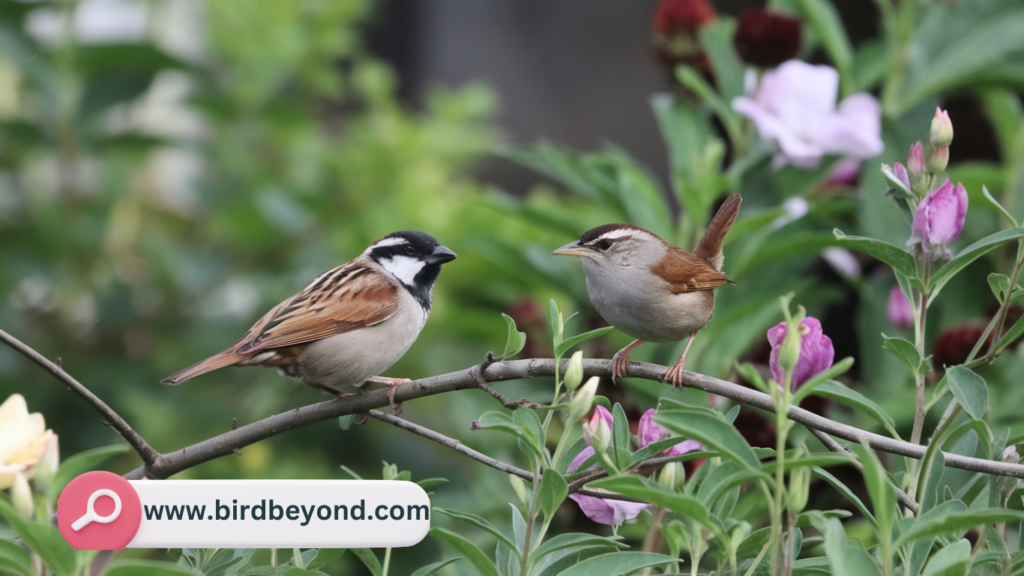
(441, 255)
(572, 249)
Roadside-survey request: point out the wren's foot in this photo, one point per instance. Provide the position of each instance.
(394, 383)
(674, 375)
(620, 362)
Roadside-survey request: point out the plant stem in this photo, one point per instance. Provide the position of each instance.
(297, 557)
(782, 398)
(919, 325)
(273, 557)
(387, 562)
(531, 516)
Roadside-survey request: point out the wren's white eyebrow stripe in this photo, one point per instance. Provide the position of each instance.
(620, 233)
(403, 267)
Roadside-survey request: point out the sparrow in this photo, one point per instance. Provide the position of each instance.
(650, 289)
(349, 325)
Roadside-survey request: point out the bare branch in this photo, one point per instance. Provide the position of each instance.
(146, 452)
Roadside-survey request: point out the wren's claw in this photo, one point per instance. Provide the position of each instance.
(620, 364)
(674, 376)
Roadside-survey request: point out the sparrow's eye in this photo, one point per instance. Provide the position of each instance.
(603, 245)
(410, 250)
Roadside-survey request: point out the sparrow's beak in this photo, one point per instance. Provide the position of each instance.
(571, 249)
(441, 255)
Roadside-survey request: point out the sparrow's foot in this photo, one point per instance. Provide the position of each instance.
(394, 383)
(620, 362)
(362, 420)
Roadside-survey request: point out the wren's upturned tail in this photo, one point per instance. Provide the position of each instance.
(710, 246)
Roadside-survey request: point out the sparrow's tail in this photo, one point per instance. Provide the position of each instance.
(710, 247)
(226, 358)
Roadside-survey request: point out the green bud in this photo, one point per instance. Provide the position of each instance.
(799, 486)
(941, 133)
(601, 438)
(671, 474)
(21, 496)
(583, 399)
(939, 159)
(789, 353)
(574, 372)
(390, 471)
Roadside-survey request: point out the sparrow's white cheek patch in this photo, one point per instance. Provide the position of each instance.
(403, 267)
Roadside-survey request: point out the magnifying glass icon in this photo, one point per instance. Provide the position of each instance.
(90, 512)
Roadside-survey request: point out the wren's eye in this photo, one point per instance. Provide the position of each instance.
(603, 245)
(410, 250)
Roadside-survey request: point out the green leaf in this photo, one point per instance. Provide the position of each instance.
(905, 352)
(846, 560)
(369, 559)
(621, 448)
(953, 560)
(840, 393)
(894, 256)
(710, 431)
(325, 556)
(79, 464)
(568, 343)
(883, 498)
(553, 490)
(955, 522)
(516, 340)
(824, 20)
(505, 423)
(304, 572)
(14, 558)
(479, 523)
(573, 540)
(932, 466)
(969, 389)
(846, 493)
(43, 539)
(146, 568)
(716, 39)
(1006, 213)
(617, 563)
(467, 549)
(431, 568)
(968, 255)
(750, 374)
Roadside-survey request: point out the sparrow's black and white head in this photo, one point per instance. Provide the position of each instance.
(413, 258)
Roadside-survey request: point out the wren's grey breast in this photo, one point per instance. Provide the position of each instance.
(348, 325)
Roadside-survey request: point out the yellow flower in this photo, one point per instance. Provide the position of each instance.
(23, 439)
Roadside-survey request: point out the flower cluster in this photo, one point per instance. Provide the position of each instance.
(27, 449)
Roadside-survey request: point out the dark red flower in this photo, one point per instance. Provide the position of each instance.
(673, 17)
(765, 38)
(955, 344)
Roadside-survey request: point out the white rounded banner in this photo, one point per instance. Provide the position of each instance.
(280, 514)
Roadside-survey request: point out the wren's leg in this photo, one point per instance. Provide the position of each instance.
(620, 362)
(394, 383)
(675, 373)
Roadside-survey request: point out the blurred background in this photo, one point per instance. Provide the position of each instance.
(171, 169)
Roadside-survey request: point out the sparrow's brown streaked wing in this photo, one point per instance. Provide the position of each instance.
(344, 299)
(687, 272)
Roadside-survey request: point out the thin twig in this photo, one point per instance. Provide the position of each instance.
(479, 457)
(481, 382)
(146, 452)
(834, 446)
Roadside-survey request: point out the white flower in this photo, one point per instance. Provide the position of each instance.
(794, 109)
(23, 439)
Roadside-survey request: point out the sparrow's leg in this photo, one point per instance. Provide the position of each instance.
(675, 373)
(394, 383)
(620, 362)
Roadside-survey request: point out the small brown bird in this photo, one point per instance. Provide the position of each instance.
(349, 325)
(650, 289)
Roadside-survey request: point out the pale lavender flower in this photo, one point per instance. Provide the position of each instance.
(938, 222)
(816, 352)
(901, 172)
(603, 510)
(649, 433)
(794, 109)
(899, 311)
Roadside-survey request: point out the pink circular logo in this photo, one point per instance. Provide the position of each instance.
(99, 511)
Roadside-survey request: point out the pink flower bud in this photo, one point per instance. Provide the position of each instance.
(916, 169)
(942, 129)
(600, 413)
(938, 222)
(901, 172)
(816, 352)
(649, 433)
(899, 311)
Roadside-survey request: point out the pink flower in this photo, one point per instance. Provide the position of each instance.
(649, 433)
(816, 352)
(899, 311)
(901, 172)
(794, 109)
(603, 510)
(938, 222)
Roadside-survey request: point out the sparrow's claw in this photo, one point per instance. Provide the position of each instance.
(394, 383)
(362, 420)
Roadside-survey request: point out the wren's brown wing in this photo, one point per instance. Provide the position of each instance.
(687, 272)
(346, 298)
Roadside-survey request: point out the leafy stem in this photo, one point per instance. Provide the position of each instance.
(921, 311)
